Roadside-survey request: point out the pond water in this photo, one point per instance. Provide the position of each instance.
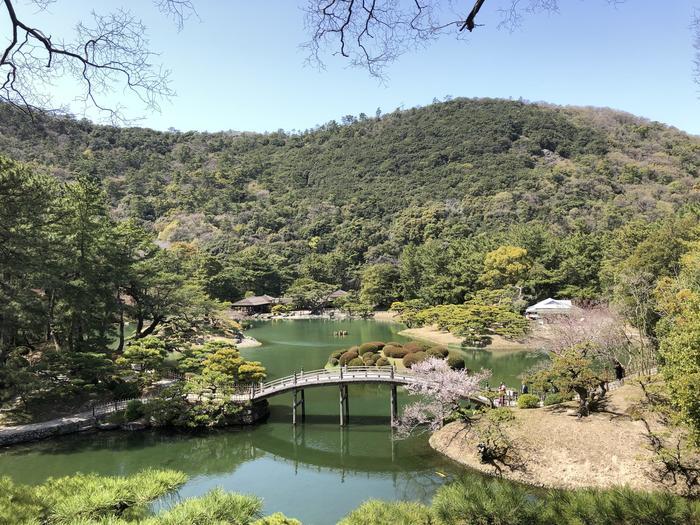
(316, 472)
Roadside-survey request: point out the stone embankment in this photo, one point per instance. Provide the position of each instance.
(96, 420)
(55, 427)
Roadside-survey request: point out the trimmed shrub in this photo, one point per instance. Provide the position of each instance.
(456, 362)
(333, 361)
(394, 351)
(528, 401)
(500, 415)
(356, 362)
(382, 361)
(337, 354)
(354, 349)
(368, 356)
(555, 399)
(378, 344)
(438, 351)
(346, 357)
(368, 347)
(394, 343)
(415, 346)
(414, 357)
(134, 410)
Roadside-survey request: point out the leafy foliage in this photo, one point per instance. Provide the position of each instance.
(528, 401)
(375, 512)
(574, 371)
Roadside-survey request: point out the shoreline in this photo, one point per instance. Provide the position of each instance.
(248, 342)
(434, 335)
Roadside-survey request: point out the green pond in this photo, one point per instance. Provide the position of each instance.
(316, 472)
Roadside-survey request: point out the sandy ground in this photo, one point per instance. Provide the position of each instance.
(433, 334)
(560, 450)
(386, 316)
(246, 342)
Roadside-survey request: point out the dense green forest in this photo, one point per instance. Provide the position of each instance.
(457, 214)
(414, 199)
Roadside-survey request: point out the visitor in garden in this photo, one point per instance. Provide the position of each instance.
(502, 394)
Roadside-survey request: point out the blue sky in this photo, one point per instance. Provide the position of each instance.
(240, 66)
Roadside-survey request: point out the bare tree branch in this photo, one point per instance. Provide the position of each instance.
(110, 53)
(374, 33)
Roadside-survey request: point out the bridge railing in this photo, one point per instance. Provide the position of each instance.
(332, 375)
(324, 374)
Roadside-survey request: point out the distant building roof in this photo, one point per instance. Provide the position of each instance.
(336, 294)
(256, 300)
(550, 305)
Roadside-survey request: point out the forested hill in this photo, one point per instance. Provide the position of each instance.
(329, 201)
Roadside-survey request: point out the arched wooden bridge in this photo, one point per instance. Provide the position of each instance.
(341, 377)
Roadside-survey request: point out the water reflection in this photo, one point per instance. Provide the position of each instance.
(316, 471)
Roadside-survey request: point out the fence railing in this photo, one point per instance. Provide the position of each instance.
(104, 409)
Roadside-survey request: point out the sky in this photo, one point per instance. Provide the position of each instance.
(239, 65)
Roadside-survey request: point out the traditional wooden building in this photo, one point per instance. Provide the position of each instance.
(257, 304)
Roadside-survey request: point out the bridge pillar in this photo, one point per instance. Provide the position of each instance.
(294, 407)
(394, 405)
(295, 403)
(344, 405)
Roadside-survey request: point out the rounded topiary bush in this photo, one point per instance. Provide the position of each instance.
(368, 347)
(528, 401)
(438, 351)
(415, 346)
(368, 357)
(555, 399)
(382, 361)
(394, 343)
(356, 362)
(378, 344)
(414, 357)
(354, 349)
(347, 356)
(394, 351)
(337, 354)
(333, 361)
(456, 362)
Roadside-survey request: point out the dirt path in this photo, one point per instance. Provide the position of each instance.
(560, 450)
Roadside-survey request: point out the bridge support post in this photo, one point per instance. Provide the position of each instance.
(296, 401)
(294, 407)
(344, 405)
(394, 405)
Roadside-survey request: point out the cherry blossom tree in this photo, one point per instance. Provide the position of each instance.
(440, 389)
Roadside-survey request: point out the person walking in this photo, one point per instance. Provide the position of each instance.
(502, 394)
